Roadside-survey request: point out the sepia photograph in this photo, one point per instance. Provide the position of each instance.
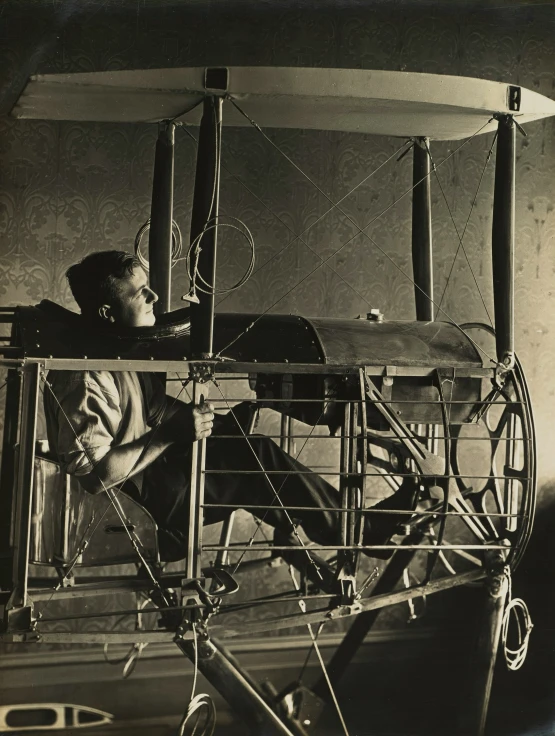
(276, 453)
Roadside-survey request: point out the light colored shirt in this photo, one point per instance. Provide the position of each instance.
(89, 412)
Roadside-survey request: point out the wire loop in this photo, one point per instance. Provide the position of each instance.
(177, 244)
(514, 658)
(193, 253)
(197, 702)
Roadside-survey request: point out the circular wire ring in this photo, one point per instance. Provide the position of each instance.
(177, 243)
(194, 250)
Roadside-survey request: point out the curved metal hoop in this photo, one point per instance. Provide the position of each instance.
(510, 486)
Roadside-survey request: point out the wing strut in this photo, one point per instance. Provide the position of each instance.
(161, 217)
(204, 232)
(422, 232)
(502, 241)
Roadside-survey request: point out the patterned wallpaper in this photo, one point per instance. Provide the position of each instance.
(69, 188)
(66, 189)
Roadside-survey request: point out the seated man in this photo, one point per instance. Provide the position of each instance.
(120, 429)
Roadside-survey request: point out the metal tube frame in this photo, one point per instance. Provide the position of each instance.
(216, 665)
(18, 611)
(502, 241)
(237, 687)
(422, 255)
(362, 624)
(351, 493)
(8, 474)
(161, 218)
(203, 216)
(196, 495)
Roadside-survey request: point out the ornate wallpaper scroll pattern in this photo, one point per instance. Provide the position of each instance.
(67, 189)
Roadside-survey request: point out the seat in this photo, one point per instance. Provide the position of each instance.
(70, 527)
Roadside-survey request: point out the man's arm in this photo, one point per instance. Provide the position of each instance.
(183, 423)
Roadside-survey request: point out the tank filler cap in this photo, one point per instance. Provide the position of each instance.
(374, 315)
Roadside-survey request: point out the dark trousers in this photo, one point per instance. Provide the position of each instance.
(166, 489)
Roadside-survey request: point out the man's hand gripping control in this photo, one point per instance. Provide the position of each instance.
(189, 422)
(203, 420)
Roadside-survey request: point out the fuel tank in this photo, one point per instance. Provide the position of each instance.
(51, 330)
(430, 349)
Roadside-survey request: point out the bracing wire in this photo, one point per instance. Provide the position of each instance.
(313, 224)
(361, 231)
(450, 320)
(314, 638)
(214, 222)
(194, 252)
(461, 236)
(109, 491)
(275, 492)
(134, 653)
(309, 654)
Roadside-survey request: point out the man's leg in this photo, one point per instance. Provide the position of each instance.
(306, 495)
(165, 494)
(294, 487)
(240, 480)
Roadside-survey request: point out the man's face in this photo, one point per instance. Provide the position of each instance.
(133, 306)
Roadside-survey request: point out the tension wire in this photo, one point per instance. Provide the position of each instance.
(309, 227)
(314, 637)
(276, 493)
(461, 237)
(361, 231)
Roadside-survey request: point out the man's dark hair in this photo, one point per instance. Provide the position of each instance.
(94, 280)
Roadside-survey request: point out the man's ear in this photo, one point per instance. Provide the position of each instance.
(105, 313)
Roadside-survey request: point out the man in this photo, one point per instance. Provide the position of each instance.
(120, 429)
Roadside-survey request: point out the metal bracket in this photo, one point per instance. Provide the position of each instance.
(347, 583)
(495, 562)
(216, 80)
(225, 582)
(301, 705)
(502, 370)
(201, 372)
(18, 619)
(515, 95)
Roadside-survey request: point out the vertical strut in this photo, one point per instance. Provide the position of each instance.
(422, 232)
(350, 486)
(196, 495)
(24, 485)
(8, 472)
(203, 216)
(285, 433)
(472, 721)
(161, 218)
(502, 241)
